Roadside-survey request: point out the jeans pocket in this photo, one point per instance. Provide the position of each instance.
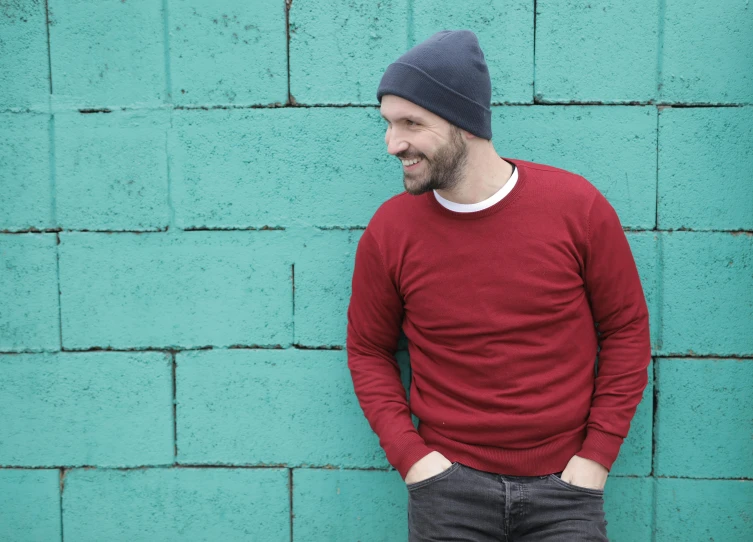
(587, 490)
(431, 479)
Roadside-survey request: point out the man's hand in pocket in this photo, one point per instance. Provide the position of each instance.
(426, 467)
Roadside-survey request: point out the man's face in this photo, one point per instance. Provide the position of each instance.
(414, 133)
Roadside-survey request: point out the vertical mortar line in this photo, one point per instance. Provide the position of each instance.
(62, 486)
(175, 410)
(534, 51)
(51, 119)
(292, 271)
(169, 98)
(660, 50)
(290, 500)
(170, 206)
(411, 37)
(51, 165)
(57, 274)
(659, 264)
(656, 171)
(166, 45)
(288, 3)
(653, 452)
(659, 251)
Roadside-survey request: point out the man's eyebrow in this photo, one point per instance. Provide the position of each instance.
(409, 117)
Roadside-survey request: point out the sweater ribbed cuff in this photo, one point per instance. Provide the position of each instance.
(601, 447)
(406, 451)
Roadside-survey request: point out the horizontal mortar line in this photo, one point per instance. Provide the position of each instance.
(323, 228)
(164, 230)
(323, 467)
(703, 356)
(297, 346)
(234, 228)
(167, 350)
(279, 105)
(340, 228)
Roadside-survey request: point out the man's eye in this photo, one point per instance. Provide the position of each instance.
(411, 123)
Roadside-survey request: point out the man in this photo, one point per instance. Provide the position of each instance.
(507, 278)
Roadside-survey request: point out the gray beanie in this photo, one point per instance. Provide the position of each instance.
(447, 75)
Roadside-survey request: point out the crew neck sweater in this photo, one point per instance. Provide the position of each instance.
(507, 311)
(481, 205)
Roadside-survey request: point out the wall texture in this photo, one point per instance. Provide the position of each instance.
(182, 187)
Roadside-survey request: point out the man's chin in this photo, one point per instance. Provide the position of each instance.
(415, 189)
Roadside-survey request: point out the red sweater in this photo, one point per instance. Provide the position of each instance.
(504, 310)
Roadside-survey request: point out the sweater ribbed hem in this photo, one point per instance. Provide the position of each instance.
(545, 459)
(406, 451)
(601, 447)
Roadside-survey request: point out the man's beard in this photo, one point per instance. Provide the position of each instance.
(444, 171)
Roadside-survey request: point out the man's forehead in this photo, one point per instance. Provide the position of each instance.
(400, 108)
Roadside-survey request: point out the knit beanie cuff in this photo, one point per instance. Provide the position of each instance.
(417, 86)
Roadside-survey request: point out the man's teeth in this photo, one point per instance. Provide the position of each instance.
(410, 162)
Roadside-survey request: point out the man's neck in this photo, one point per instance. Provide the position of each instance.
(483, 178)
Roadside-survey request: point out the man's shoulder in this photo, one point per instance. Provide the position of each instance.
(560, 182)
(547, 170)
(396, 209)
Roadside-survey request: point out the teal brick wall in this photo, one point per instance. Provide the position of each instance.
(183, 184)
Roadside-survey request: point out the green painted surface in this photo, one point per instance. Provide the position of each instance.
(707, 52)
(177, 504)
(126, 126)
(86, 409)
(28, 292)
(706, 168)
(704, 418)
(30, 504)
(589, 51)
(707, 302)
(301, 407)
(701, 510)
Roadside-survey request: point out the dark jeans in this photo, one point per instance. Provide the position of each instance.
(465, 504)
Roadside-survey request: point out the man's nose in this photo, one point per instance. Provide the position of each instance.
(395, 143)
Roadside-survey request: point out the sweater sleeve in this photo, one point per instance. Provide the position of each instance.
(375, 316)
(619, 310)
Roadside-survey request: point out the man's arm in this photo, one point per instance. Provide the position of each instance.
(619, 307)
(375, 316)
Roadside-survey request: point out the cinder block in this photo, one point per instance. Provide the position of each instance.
(177, 504)
(86, 408)
(226, 52)
(505, 34)
(644, 246)
(107, 55)
(24, 72)
(184, 290)
(635, 453)
(613, 147)
(704, 415)
(26, 200)
(29, 292)
(707, 53)
(629, 506)
(701, 510)
(333, 504)
(708, 284)
(596, 51)
(706, 168)
(271, 407)
(298, 166)
(340, 49)
(111, 170)
(323, 275)
(30, 504)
